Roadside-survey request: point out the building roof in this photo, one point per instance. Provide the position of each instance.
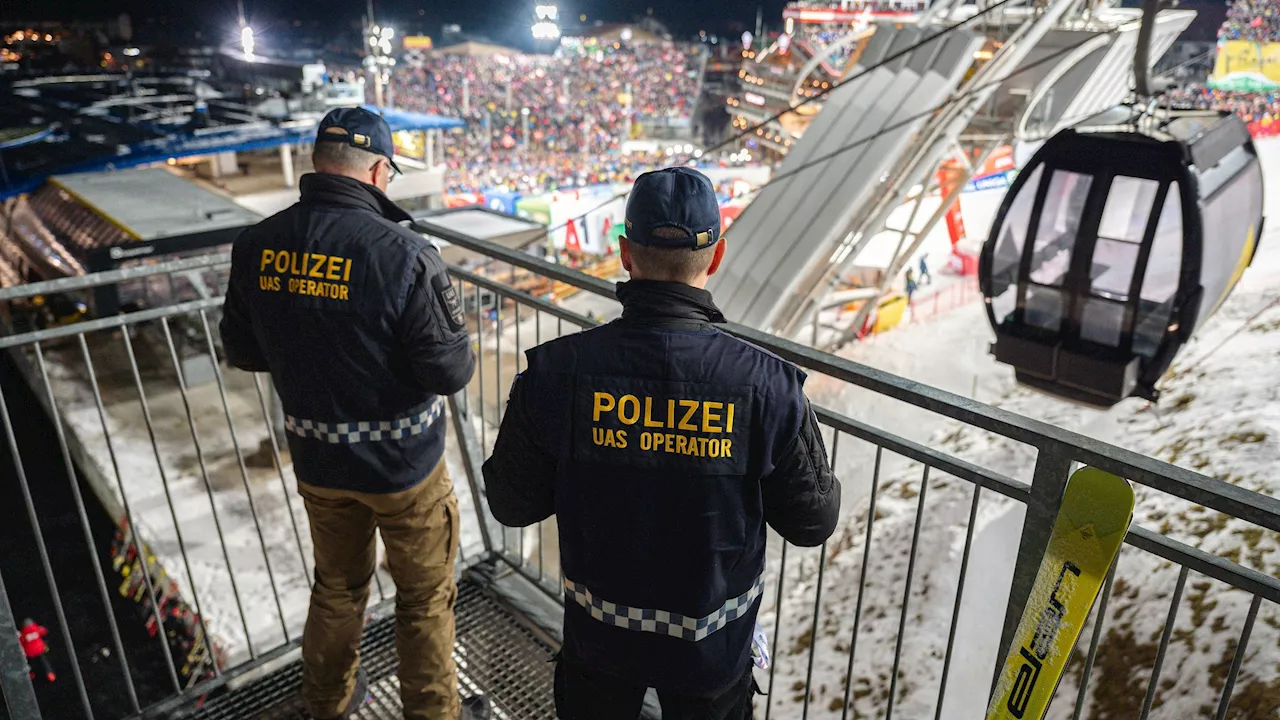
(54, 126)
(480, 222)
(152, 203)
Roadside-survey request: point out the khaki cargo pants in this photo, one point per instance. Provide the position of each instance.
(420, 531)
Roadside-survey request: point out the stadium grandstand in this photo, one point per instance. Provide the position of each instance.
(793, 68)
(538, 123)
(1245, 78)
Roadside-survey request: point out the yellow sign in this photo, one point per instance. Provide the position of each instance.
(417, 42)
(409, 144)
(1245, 56)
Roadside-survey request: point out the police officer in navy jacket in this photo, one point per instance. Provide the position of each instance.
(663, 445)
(353, 315)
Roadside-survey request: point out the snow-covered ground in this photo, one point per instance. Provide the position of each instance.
(1220, 416)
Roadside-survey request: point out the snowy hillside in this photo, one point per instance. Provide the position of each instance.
(1220, 416)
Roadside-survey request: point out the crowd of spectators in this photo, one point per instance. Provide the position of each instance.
(1260, 111)
(1256, 20)
(574, 106)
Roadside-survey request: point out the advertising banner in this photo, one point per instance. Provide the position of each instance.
(463, 200)
(729, 212)
(995, 174)
(1235, 56)
(587, 216)
(502, 201)
(536, 209)
(409, 144)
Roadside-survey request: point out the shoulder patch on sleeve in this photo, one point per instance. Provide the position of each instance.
(447, 294)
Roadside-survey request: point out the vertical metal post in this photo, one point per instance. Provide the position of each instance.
(244, 474)
(1048, 483)
(777, 629)
(168, 496)
(208, 486)
(1224, 703)
(56, 418)
(862, 583)
(284, 486)
(1099, 617)
(472, 459)
(497, 388)
(955, 610)
(43, 552)
(16, 693)
(817, 599)
(137, 541)
(480, 365)
(1164, 644)
(906, 596)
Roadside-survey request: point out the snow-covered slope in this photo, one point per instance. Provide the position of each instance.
(1220, 416)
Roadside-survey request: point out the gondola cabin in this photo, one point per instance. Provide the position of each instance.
(1117, 241)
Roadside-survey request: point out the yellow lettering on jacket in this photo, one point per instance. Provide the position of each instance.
(706, 417)
(309, 274)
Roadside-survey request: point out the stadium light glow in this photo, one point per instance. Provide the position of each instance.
(546, 31)
(547, 12)
(132, 51)
(246, 42)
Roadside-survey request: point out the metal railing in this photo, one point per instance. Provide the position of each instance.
(122, 391)
(1057, 452)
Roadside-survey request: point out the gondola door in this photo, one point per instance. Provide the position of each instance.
(1099, 272)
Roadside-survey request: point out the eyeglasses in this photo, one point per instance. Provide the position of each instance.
(392, 172)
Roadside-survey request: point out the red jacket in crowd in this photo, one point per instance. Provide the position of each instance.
(32, 638)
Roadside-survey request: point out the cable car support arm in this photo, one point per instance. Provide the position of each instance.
(1142, 53)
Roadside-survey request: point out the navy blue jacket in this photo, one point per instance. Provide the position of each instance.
(354, 317)
(663, 446)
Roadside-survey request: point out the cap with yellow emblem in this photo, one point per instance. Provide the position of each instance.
(360, 129)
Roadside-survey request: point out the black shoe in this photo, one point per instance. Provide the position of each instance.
(475, 708)
(358, 696)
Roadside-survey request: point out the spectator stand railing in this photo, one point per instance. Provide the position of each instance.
(520, 321)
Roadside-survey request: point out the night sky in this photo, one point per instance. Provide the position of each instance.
(501, 20)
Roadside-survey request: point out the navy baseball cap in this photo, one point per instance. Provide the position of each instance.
(360, 129)
(680, 198)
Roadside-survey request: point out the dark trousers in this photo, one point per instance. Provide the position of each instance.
(41, 663)
(582, 694)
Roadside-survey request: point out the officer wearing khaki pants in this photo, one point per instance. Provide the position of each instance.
(354, 317)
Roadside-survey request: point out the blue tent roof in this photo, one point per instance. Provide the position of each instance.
(185, 144)
(407, 120)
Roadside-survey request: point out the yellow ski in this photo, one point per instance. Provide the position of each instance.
(1095, 515)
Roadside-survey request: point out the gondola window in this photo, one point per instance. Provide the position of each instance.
(1008, 252)
(1160, 284)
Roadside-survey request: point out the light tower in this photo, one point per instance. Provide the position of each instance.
(246, 34)
(546, 25)
(378, 61)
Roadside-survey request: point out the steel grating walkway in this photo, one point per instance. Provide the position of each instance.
(496, 655)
